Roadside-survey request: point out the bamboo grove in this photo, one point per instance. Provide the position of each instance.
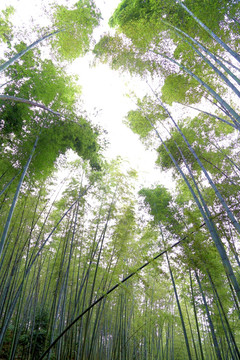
(88, 268)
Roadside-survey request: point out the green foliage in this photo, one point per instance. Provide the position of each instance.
(129, 10)
(38, 336)
(122, 55)
(140, 22)
(5, 25)
(159, 200)
(141, 121)
(138, 123)
(198, 131)
(58, 138)
(180, 88)
(173, 144)
(78, 25)
(55, 139)
(211, 13)
(13, 116)
(42, 81)
(70, 252)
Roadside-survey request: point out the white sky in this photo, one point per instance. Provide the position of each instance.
(105, 90)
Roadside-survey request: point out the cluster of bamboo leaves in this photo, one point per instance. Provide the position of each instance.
(98, 272)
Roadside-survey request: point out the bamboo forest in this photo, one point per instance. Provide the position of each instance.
(94, 265)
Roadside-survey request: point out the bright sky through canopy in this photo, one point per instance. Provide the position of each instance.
(104, 92)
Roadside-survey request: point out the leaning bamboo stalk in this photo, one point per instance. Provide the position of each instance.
(101, 240)
(230, 240)
(191, 330)
(205, 213)
(215, 95)
(219, 304)
(228, 158)
(216, 70)
(179, 310)
(228, 62)
(211, 115)
(21, 53)
(9, 183)
(196, 318)
(110, 291)
(220, 171)
(219, 245)
(218, 194)
(30, 265)
(210, 32)
(214, 57)
(113, 288)
(14, 202)
(222, 108)
(216, 346)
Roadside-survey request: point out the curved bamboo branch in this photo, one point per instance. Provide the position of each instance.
(29, 102)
